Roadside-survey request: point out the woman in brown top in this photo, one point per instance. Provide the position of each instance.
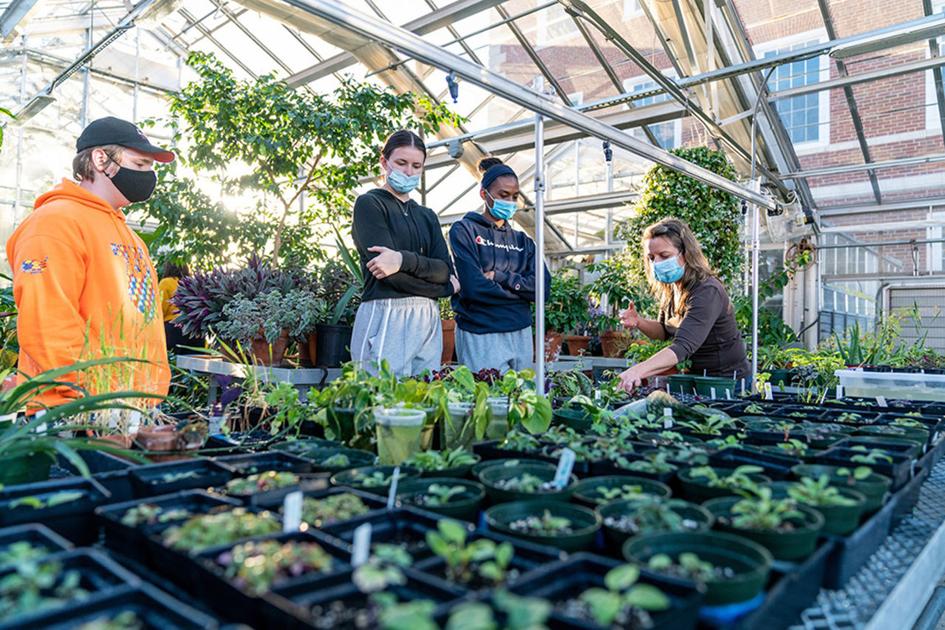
(695, 311)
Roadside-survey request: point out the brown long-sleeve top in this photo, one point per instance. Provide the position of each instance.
(706, 333)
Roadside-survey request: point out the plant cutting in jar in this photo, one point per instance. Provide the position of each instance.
(738, 479)
(624, 601)
(256, 566)
(262, 482)
(527, 408)
(818, 493)
(208, 530)
(34, 586)
(481, 559)
(332, 509)
(545, 525)
(441, 460)
(689, 566)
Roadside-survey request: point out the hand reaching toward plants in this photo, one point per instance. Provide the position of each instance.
(386, 263)
(630, 379)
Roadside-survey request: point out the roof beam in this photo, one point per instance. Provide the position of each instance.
(410, 44)
(421, 26)
(15, 13)
(533, 55)
(911, 204)
(855, 168)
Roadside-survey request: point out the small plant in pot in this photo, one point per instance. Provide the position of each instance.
(628, 518)
(480, 563)
(266, 322)
(454, 463)
(840, 507)
(261, 482)
(334, 508)
(258, 566)
(528, 480)
(788, 530)
(874, 487)
(456, 498)
(34, 586)
(603, 490)
(376, 479)
(705, 482)
(623, 602)
(208, 530)
(562, 525)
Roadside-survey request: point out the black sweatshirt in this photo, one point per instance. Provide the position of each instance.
(499, 305)
(707, 333)
(382, 220)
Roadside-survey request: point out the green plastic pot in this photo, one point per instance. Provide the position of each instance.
(584, 523)
(793, 545)
(302, 446)
(354, 477)
(915, 435)
(464, 507)
(874, 488)
(681, 384)
(28, 468)
(543, 470)
(838, 519)
(356, 458)
(477, 469)
(578, 419)
(780, 377)
(459, 472)
(699, 491)
(705, 384)
(615, 538)
(750, 561)
(906, 446)
(585, 492)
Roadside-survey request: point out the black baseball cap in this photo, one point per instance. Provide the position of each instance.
(111, 130)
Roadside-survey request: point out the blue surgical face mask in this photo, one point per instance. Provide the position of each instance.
(501, 208)
(402, 183)
(668, 271)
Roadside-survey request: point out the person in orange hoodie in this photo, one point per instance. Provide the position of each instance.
(83, 281)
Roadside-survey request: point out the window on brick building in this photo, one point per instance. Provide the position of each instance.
(555, 25)
(932, 119)
(806, 117)
(668, 134)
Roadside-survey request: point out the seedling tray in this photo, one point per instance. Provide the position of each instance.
(400, 526)
(253, 463)
(154, 609)
(374, 502)
(72, 519)
(775, 466)
(565, 580)
(36, 535)
(149, 481)
(899, 470)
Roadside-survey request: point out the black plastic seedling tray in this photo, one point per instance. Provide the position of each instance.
(777, 467)
(234, 443)
(899, 470)
(149, 481)
(133, 541)
(404, 526)
(153, 609)
(565, 580)
(374, 502)
(43, 502)
(37, 535)
(253, 463)
(292, 605)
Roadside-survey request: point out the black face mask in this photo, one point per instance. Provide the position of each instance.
(134, 185)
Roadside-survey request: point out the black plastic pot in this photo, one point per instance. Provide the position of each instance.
(494, 475)
(750, 561)
(371, 501)
(44, 502)
(239, 442)
(775, 465)
(253, 463)
(149, 481)
(695, 516)
(890, 443)
(356, 458)
(587, 492)
(563, 582)
(584, 523)
(698, 490)
(302, 445)
(152, 608)
(355, 477)
(334, 345)
(875, 487)
(39, 537)
(854, 550)
(899, 470)
(838, 519)
(464, 506)
(403, 526)
(784, 545)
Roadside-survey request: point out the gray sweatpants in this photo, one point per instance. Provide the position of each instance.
(407, 332)
(502, 351)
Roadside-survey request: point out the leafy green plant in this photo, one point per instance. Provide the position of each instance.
(256, 566)
(438, 495)
(852, 476)
(738, 479)
(48, 500)
(869, 455)
(545, 525)
(566, 306)
(516, 613)
(332, 509)
(34, 586)
(376, 479)
(626, 491)
(622, 591)
(654, 463)
(711, 425)
(818, 493)
(689, 566)
(526, 482)
(262, 482)
(125, 620)
(149, 514)
(652, 514)
(794, 447)
(482, 558)
(441, 460)
(22, 551)
(268, 315)
(760, 511)
(208, 530)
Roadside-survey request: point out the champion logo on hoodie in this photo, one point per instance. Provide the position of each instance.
(506, 246)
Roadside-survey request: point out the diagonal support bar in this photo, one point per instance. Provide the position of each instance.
(410, 44)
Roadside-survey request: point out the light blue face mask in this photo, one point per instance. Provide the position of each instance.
(402, 183)
(501, 208)
(668, 271)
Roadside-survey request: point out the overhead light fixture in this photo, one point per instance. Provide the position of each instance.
(928, 28)
(37, 104)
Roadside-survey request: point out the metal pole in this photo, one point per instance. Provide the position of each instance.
(400, 39)
(539, 180)
(755, 259)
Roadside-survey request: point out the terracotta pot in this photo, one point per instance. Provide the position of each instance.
(449, 341)
(553, 342)
(161, 438)
(577, 344)
(265, 353)
(123, 441)
(308, 350)
(614, 343)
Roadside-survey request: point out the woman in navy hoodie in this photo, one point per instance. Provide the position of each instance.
(496, 269)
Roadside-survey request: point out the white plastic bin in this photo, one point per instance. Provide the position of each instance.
(900, 385)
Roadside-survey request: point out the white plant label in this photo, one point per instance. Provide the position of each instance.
(216, 424)
(292, 512)
(565, 466)
(40, 428)
(392, 494)
(728, 394)
(667, 418)
(712, 393)
(839, 392)
(881, 401)
(361, 548)
(769, 394)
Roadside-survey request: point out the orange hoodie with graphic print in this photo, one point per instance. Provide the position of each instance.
(85, 287)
